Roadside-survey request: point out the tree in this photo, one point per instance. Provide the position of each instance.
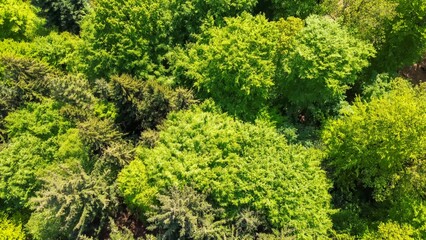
(66, 15)
(376, 154)
(184, 213)
(56, 50)
(144, 105)
(367, 19)
(126, 37)
(33, 145)
(405, 37)
(239, 166)
(22, 80)
(396, 28)
(276, 9)
(321, 66)
(72, 203)
(235, 64)
(148, 31)
(189, 15)
(18, 20)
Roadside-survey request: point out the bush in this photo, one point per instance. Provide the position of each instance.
(238, 165)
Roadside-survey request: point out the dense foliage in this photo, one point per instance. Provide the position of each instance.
(212, 119)
(236, 164)
(391, 175)
(235, 64)
(323, 63)
(19, 20)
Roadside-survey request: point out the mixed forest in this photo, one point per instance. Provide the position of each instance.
(212, 119)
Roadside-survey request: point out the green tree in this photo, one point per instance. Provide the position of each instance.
(19, 20)
(126, 37)
(57, 50)
(376, 155)
(235, 64)
(66, 15)
(144, 105)
(321, 66)
(397, 28)
(368, 19)
(21, 80)
(148, 30)
(276, 9)
(74, 202)
(405, 37)
(189, 15)
(33, 145)
(239, 166)
(184, 213)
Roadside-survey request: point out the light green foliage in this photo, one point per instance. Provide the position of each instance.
(133, 185)
(57, 50)
(126, 36)
(373, 143)
(10, 230)
(235, 64)
(184, 214)
(40, 120)
(322, 65)
(376, 157)
(238, 165)
(18, 20)
(20, 161)
(33, 133)
(391, 231)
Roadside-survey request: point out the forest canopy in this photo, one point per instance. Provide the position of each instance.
(214, 119)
